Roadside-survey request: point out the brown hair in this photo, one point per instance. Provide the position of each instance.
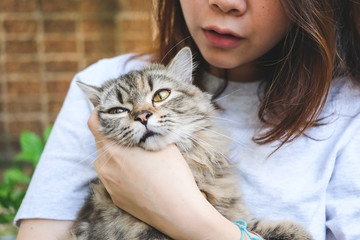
(323, 43)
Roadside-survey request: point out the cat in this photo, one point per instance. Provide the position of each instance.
(152, 108)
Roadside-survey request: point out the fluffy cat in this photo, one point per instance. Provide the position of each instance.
(152, 108)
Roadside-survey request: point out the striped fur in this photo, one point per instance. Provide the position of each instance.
(187, 118)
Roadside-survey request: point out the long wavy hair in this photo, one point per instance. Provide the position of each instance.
(323, 44)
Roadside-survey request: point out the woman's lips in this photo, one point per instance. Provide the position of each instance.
(222, 38)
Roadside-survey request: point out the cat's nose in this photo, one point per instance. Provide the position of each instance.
(142, 116)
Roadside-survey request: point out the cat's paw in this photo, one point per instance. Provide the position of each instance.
(280, 230)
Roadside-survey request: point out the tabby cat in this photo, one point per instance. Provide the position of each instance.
(152, 108)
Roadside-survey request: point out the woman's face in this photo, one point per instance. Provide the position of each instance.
(231, 34)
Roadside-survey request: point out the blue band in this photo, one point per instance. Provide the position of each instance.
(242, 225)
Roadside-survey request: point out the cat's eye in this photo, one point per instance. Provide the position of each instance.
(161, 95)
(117, 110)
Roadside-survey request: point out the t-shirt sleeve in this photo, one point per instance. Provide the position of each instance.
(343, 192)
(60, 183)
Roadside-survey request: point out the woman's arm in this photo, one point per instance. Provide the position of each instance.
(158, 188)
(43, 229)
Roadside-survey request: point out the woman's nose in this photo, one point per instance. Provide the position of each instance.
(232, 7)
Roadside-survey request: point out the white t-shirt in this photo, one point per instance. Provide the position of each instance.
(314, 180)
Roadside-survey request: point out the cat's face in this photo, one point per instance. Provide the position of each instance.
(153, 107)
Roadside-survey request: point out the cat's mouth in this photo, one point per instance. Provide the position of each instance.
(147, 135)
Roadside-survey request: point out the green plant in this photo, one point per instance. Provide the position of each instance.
(17, 177)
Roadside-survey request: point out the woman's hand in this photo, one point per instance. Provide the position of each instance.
(158, 188)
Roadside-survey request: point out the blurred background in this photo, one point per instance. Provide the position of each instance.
(43, 43)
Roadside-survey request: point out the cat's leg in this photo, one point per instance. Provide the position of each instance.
(279, 230)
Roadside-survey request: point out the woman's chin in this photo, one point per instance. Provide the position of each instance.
(224, 61)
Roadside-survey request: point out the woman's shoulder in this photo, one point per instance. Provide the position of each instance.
(110, 68)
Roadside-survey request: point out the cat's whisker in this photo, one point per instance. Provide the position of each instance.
(230, 138)
(233, 140)
(224, 119)
(92, 156)
(202, 117)
(194, 118)
(174, 47)
(101, 141)
(89, 159)
(183, 117)
(202, 128)
(218, 120)
(104, 151)
(99, 153)
(179, 144)
(184, 120)
(227, 95)
(205, 145)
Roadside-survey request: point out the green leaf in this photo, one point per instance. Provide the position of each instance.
(16, 198)
(15, 175)
(5, 190)
(14, 188)
(6, 217)
(31, 146)
(15, 181)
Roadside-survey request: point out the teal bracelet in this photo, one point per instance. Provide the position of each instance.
(242, 225)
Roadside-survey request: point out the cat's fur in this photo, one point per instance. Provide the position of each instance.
(187, 118)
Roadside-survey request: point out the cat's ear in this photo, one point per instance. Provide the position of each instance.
(91, 92)
(182, 64)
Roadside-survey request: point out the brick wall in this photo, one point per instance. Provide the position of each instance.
(43, 43)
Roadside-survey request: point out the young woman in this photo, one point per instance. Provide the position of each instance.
(287, 75)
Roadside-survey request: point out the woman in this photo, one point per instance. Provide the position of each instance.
(295, 67)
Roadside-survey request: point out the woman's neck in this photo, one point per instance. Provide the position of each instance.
(246, 73)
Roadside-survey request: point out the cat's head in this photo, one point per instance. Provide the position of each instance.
(153, 107)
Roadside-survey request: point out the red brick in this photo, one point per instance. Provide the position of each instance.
(20, 26)
(2, 109)
(4, 145)
(139, 25)
(62, 66)
(55, 103)
(19, 46)
(59, 26)
(16, 127)
(60, 46)
(135, 5)
(130, 46)
(18, 5)
(59, 77)
(23, 87)
(98, 6)
(104, 46)
(24, 105)
(52, 117)
(57, 86)
(94, 57)
(22, 66)
(59, 6)
(2, 130)
(98, 25)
